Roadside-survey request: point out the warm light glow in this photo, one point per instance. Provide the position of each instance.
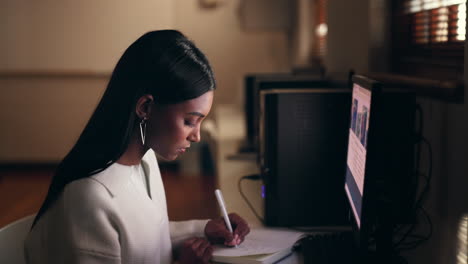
(461, 23)
(462, 245)
(442, 25)
(322, 30)
(422, 5)
(437, 20)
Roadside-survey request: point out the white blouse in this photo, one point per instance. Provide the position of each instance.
(138, 178)
(116, 216)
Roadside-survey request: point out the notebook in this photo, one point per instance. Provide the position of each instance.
(261, 245)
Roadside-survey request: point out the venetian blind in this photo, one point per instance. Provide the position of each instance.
(436, 21)
(428, 38)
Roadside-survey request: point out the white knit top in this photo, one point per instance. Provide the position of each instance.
(115, 216)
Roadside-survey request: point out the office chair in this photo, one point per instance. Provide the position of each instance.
(12, 240)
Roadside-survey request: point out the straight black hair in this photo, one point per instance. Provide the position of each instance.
(162, 63)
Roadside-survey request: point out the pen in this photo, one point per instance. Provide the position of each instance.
(222, 206)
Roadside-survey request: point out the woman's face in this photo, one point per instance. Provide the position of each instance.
(172, 128)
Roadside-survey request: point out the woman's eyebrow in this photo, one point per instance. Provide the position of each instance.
(196, 114)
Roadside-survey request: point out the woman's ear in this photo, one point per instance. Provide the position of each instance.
(143, 106)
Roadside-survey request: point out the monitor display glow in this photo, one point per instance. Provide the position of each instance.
(356, 159)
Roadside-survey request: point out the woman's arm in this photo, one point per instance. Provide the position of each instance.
(214, 230)
(183, 230)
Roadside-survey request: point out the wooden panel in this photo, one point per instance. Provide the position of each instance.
(42, 114)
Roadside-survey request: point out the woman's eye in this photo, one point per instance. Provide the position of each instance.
(188, 123)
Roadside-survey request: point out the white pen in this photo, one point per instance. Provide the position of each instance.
(222, 206)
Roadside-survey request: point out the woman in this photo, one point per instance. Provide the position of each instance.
(106, 202)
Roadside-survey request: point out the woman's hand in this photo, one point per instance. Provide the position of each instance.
(195, 250)
(217, 232)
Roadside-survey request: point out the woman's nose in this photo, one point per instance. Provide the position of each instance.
(195, 135)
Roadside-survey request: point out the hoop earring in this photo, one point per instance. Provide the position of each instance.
(143, 130)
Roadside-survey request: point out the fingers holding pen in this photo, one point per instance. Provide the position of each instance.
(217, 232)
(235, 229)
(233, 242)
(240, 227)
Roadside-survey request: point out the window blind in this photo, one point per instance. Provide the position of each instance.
(428, 38)
(436, 21)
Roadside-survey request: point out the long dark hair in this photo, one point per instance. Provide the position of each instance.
(162, 63)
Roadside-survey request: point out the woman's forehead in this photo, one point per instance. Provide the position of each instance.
(201, 104)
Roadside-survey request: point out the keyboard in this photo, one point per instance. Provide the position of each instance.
(329, 248)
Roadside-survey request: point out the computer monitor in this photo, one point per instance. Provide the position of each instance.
(380, 181)
(357, 146)
(363, 89)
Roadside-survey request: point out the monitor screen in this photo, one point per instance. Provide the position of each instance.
(356, 159)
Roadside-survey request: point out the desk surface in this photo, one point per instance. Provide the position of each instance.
(231, 131)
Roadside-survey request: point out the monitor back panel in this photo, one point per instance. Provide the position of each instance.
(255, 83)
(303, 159)
(391, 165)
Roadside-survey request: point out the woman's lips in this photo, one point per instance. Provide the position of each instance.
(181, 150)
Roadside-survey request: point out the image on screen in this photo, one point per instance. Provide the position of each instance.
(356, 160)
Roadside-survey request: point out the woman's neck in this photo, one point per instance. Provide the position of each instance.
(134, 153)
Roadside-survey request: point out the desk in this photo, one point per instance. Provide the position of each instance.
(231, 130)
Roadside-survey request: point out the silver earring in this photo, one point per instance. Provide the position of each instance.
(143, 130)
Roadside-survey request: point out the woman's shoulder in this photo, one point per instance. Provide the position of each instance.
(107, 184)
(87, 191)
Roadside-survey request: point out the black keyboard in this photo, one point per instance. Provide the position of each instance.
(329, 248)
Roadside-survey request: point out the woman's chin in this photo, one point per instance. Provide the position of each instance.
(167, 157)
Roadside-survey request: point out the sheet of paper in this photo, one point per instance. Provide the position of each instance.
(261, 241)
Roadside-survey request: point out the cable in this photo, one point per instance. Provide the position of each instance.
(417, 239)
(417, 159)
(429, 174)
(401, 244)
(418, 140)
(421, 138)
(239, 186)
(420, 239)
(418, 136)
